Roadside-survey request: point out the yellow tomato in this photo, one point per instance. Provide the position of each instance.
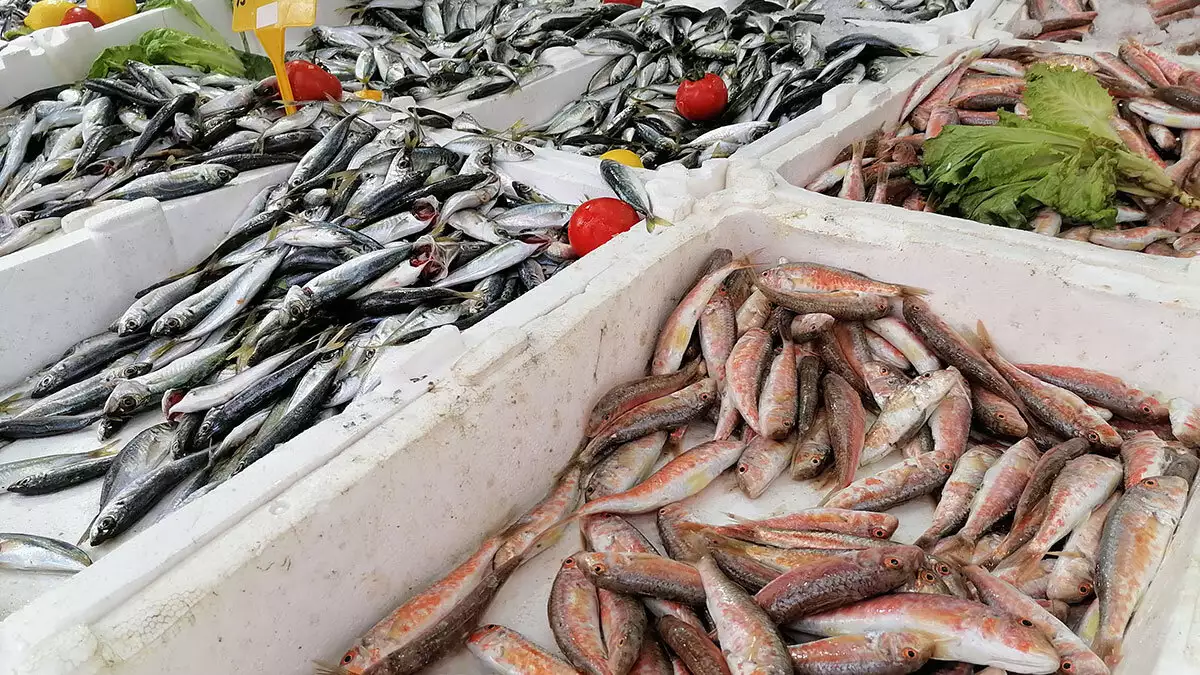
(46, 13)
(112, 10)
(625, 157)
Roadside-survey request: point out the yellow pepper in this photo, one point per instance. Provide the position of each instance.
(112, 10)
(46, 13)
(624, 157)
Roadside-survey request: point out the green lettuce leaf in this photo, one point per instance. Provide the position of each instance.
(1064, 156)
(167, 45)
(113, 59)
(1064, 98)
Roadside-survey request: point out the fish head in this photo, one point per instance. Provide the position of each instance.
(296, 306)
(47, 384)
(356, 661)
(911, 648)
(1161, 493)
(1012, 645)
(1103, 435)
(126, 398)
(1151, 408)
(105, 527)
(1079, 660)
(776, 278)
(926, 581)
(893, 559)
(172, 323)
(133, 322)
(425, 209)
(136, 369)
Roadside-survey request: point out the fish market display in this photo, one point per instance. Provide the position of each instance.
(768, 64)
(153, 131)
(799, 373)
(377, 238)
(1117, 168)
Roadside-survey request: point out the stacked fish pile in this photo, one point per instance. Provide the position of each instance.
(766, 55)
(426, 49)
(154, 131)
(1065, 20)
(376, 239)
(1155, 124)
(827, 372)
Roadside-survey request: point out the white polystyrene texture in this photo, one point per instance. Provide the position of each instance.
(299, 578)
(803, 159)
(125, 567)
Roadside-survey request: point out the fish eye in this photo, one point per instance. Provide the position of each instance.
(947, 467)
(742, 468)
(1027, 623)
(1085, 588)
(705, 396)
(1147, 409)
(943, 569)
(1150, 482)
(368, 354)
(598, 569)
(107, 523)
(910, 653)
(1066, 665)
(348, 657)
(1001, 416)
(1093, 437)
(127, 403)
(815, 460)
(879, 533)
(892, 562)
(929, 577)
(568, 562)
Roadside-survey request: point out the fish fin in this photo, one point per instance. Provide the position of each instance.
(653, 221)
(322, 668)
(985, 340)
(1028, 565)
(829, 495)
(7, 403)
(103, 451)
(912, 290)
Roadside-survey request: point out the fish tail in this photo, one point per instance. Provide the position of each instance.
(1027, 564)
(653, 221)
(926, 540)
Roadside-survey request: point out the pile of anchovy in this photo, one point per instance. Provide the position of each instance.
(439, 49)
(375, 239)
(1059, 489)
(770, 61)
(152, 131)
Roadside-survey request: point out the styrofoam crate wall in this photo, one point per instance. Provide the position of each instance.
(803, 159)
(301, 577)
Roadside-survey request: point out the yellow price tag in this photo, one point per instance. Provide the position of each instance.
(268, 19)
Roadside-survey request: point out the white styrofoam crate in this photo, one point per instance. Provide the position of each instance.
(299, 578)
(61, 55)
(89, 276)
(803, 159)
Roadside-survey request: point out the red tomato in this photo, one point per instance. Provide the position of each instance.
(632, 3)
(598, 220)
(703, 99)
(82, 15)
(311, 82)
